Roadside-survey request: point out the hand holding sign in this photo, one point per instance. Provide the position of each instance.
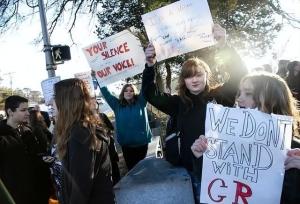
(199, 146)
(293, 159)
(150, 55)
(219, 34)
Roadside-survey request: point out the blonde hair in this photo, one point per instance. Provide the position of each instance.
(190, 68)
(272, 95)
(73, 104)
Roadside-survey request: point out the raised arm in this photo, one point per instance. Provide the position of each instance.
(232, 65)
(110, 99)
(162, 101)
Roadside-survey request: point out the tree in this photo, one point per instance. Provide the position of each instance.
(32, 96)
(4, 93)
(251, 24)
(35, 96)
(14, 12)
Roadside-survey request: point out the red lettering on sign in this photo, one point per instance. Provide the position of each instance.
(240, 193)
(96, 48)
(123, 65)
(104, 72)
(220, 197)
(115, 51)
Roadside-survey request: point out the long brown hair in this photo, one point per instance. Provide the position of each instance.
(40, 130)
(73, 105)
(36, 118)
(189, 69)
(122, 100)
(272, 95)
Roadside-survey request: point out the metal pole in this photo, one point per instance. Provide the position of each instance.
(47, 46)
(10, 78)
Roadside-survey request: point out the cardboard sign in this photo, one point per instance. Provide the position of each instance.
(244, 162)
(48, 88)
(88, 80)
(116, 57)
(179, 28)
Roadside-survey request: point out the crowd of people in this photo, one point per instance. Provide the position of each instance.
(78, 162)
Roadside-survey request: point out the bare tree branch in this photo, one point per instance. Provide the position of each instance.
(58, 16)
(291, 20)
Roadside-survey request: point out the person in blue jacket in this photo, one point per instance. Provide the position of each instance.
(132, 125)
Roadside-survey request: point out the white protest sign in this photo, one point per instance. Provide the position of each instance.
(48, 88)
(88, 80)
(244, 162)
(116, 57)
(179, 28)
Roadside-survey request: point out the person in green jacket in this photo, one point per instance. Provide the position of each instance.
(132, 125)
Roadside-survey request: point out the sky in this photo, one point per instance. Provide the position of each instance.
(26, 61)
(287, 44)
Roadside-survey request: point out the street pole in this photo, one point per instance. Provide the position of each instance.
(10, 81)
(47, 46)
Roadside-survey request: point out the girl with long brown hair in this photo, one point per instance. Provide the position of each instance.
(82, 146)
(269, 93)
(195, 91)
(132, 125)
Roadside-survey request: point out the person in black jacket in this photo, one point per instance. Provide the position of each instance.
(82, 146)
(113, 154)
(114, 157)
(45, 115)
(293, 160)
(19, 160)
(40, 130)
(293, 78)
(195, 91)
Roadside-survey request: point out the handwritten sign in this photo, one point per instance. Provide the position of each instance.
(48, 88)
(116, 57)
(179, 28)
(244, 162)
(88, 80)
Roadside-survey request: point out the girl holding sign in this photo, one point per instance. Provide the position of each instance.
(270, 94)
(132, 126)
(195, 91)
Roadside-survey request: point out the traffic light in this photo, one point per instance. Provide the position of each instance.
(61, 53)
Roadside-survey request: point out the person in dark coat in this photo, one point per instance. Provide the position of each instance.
(45, 115)
(82, 146)
(114, 157)
(195, 91)
(19, 162)
(113, 154)
(293, 78)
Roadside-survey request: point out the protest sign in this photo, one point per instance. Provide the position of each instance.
(116, 57)
(244, 161)
(87, 79)
(179, 28)
(48, 88)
